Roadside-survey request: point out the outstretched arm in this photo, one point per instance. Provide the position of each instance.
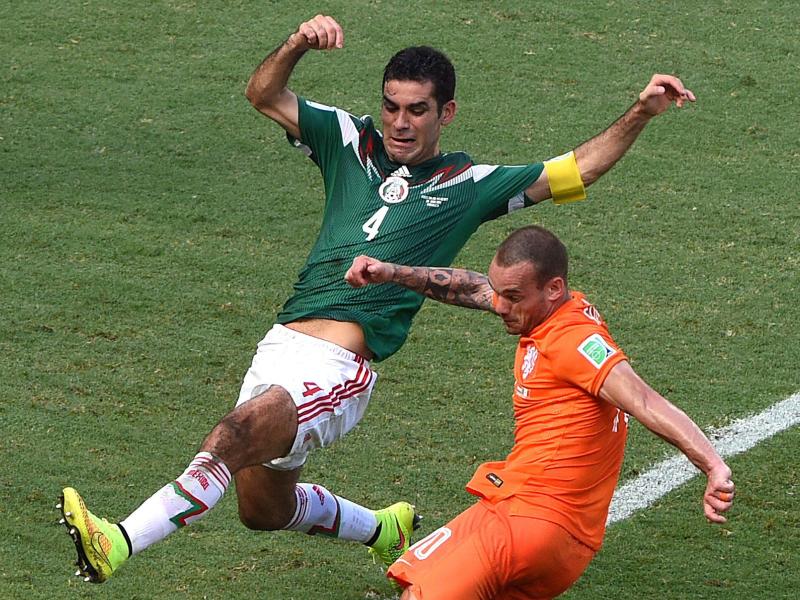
(598, 154)
(450, 286)
(267, 89)
(626, 390)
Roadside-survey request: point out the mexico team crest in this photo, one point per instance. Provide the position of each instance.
(393, 190)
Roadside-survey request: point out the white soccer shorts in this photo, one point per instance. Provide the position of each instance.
(330, 386)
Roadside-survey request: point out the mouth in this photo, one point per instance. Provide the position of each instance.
(403, 142)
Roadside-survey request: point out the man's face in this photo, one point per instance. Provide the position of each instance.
(519, 301)
(411, 121)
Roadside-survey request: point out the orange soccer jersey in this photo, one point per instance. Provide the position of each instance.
(568, 443)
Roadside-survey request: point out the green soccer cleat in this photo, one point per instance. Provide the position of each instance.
(397, 523)
(101, 545)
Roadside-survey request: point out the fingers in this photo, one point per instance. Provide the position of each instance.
(667, 81)
(363, 271)
(670, 86)
(354, 275)
(718, 499)
(353, 280)
(720, 502)
(714, 517)
(681, 97)
(322, 33)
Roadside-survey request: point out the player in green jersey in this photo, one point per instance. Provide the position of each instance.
(391, 194)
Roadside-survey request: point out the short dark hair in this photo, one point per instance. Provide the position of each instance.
(538, 246)
(421, 64)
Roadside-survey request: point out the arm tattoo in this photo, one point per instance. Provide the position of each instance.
(450, 286)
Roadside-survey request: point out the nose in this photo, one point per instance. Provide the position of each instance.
(502, 306)
(401, 121)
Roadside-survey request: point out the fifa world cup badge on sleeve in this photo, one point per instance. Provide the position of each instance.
(596, 350)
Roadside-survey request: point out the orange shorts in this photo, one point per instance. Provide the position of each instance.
(486, 553)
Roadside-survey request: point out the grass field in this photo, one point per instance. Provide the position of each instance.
(153, 223)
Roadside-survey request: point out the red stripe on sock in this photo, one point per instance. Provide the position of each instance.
(302, 503)
(215, 469)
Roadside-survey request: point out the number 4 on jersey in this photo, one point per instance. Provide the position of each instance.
(371, 226)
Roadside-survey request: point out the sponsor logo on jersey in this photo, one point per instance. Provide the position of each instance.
(496, 481)
(596, 350)
(402, 172)
(393, 190)
(529, 362)
(521, 390)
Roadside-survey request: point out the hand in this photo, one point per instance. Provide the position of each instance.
(662, 91)
(718, 497)
(319, 33)
(366, 270)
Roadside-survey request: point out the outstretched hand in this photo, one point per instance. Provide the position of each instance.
(662, 91)
(718, 497)
(320, 33)
(366, 270)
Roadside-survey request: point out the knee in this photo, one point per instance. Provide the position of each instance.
(256, 521)
(230, 435)
(255, 432)
(260, 519)
(264, 508)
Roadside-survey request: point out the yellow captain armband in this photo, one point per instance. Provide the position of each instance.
(565, 180)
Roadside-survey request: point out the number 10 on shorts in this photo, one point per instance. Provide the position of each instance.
(428, 545)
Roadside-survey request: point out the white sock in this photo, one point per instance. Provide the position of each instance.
(178, 503)
(320, 512)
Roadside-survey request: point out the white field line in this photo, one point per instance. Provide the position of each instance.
(733, 439)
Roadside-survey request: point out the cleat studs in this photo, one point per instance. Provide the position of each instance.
(67, 514)
(59, 506)
(62, 521)
(87, 579)
(78, 573)
(72, 530)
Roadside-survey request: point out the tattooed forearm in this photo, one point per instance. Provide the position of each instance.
(451, 286)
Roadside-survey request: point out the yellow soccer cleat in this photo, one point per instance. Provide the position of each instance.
(101, 545)
(397, 522)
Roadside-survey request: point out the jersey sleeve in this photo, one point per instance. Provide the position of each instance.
(586, 357)
(324, 131)
(501, 188)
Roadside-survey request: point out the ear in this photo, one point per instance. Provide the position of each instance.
(556, 288)
(448, 113)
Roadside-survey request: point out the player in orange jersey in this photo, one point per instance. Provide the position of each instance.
(541, 513)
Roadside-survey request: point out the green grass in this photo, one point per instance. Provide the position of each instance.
(153, 224)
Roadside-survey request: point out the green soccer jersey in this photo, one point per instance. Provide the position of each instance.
(413, 215)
